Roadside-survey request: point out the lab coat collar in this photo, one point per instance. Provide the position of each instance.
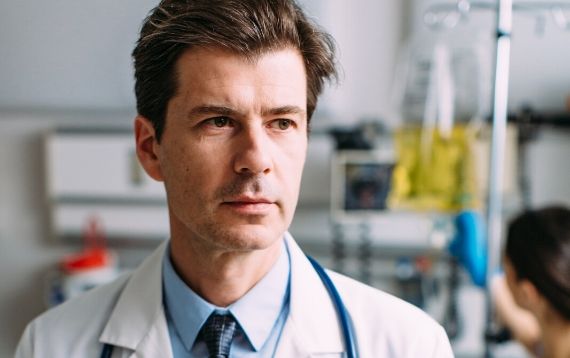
(140, 324)
(312, 327)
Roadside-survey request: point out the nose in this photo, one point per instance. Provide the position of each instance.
(252, 152)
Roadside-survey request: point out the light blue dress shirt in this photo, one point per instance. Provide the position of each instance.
(261, 313)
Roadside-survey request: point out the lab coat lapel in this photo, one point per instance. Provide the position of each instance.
(156, 343)
(312, 328)
(137, 322)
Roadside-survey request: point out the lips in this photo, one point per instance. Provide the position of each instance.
(246, 205)
(248, 200)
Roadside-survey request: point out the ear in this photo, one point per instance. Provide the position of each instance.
(147, 147)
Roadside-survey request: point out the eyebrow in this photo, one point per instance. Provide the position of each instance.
(211, 109)
(227, 111)
(284, 110)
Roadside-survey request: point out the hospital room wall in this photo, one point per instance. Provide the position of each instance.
(68, 63)
(539, 58)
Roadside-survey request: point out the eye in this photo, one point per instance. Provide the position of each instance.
(282, 123)
(220, 122)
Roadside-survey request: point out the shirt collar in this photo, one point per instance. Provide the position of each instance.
(258, 310)
(188, 311)
(185, 309)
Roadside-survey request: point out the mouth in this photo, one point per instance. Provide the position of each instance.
(250, 205)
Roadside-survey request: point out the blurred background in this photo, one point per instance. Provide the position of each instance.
(399, 148)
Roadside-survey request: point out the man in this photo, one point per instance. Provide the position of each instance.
(225, 92)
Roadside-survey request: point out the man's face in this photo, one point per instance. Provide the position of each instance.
(233, 149)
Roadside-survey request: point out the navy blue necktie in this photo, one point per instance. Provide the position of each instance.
(218, 332)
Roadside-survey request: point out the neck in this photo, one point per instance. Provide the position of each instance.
(556, 337)
(221, 277)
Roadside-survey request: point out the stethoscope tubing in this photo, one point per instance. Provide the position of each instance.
(345, 325)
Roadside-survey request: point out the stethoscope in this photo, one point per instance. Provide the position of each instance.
(345, 325)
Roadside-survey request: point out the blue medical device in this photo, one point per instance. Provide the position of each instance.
(345, 325)
(470, 245)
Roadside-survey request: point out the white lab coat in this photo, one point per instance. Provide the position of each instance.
(129, 314)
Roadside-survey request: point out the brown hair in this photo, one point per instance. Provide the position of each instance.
(538, 246)
(246, 27)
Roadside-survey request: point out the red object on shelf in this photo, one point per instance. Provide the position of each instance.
(94, 255)
(423, 264)
(86, 260)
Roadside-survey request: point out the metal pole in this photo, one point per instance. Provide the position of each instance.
(497, 155)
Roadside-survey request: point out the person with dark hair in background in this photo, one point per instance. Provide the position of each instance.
(532, 299)
(225, 92)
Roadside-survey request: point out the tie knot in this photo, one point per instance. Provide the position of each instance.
(218, 332)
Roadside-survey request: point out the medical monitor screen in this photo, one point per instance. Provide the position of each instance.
(367, 186)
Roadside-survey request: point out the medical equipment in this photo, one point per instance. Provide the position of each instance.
(441, 94)
(109, 184)
(448, 15)
(78, 272)
(469, 245)
(346, 328)
(434, 170)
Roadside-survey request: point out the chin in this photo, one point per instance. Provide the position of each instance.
(246, 237)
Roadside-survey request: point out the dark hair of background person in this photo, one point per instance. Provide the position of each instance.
(249, 28)
(538, 246)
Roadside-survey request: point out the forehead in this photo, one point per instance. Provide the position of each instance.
(216, 77)
(220, 65)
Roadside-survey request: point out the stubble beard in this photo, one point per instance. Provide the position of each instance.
(217, 232)
(235, 238)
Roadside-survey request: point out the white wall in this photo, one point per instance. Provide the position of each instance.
(368, 36)
(68, 54)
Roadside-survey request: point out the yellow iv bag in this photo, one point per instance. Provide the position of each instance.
(434, 171)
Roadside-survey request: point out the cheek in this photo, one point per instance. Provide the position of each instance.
(301, 158)
(512, 283)
(188, 171)
(295, 163)
(200, 176)
(511, 286)
(188, 155)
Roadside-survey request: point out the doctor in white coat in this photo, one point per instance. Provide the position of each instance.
(225, 92)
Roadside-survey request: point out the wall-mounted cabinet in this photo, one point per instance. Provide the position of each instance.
(94, 173)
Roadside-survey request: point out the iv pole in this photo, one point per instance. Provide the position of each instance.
(448, 15)
(494, 202)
